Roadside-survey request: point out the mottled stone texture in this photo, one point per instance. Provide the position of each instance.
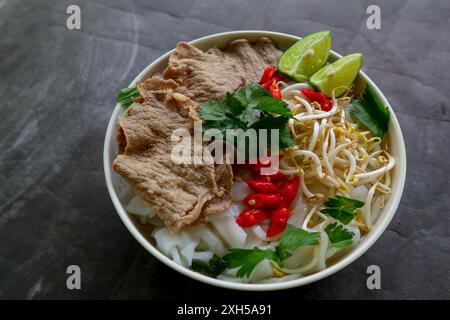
(57, 90)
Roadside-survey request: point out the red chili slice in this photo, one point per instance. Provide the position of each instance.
(267, 85)
(263, 200)
(279, 222)
(274, 91)
(319, 97)
(289, 189)
(250, 217)
(260, 186)
(273, 177)
(267, 74)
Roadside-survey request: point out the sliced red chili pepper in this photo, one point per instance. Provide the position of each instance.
(272, 87)
(278, 77)
(279, 222)
(250, 217)
(273, 177)
(267, 85)
(260, 186)
(274, 91)
(289, 189)
(263, 200)
(320, 97)
(264, 162)
(269, 81)
(311, 95)
(267, 74)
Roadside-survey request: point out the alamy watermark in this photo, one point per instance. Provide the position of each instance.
(73, 21)
(74, 279)
(374, 280)
(374, 19)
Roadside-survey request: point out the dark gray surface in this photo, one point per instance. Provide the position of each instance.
(57, 90)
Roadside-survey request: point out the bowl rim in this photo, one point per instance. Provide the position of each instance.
(342, 263)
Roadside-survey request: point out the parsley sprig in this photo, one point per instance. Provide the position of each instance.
(247, 259)
(250, 107)
(342, 208)
(214, 267)
(338, 235)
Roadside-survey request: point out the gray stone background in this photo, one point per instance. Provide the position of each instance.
(57, 90)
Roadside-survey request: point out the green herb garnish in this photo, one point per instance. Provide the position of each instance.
(247, 259)
(238, 110)
(342, 208)
(338, 235)
(371, 112)
(293, 238)
(214, 267)
(272, 105)
(270, 122)
(125, 95)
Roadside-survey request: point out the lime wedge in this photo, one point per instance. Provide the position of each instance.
(342, 72)
(306, 56)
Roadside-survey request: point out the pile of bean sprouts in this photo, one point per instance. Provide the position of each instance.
(333, 156)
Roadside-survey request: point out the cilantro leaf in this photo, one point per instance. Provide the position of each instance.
(250, 107)
(215, 110)
(342, 208)
(344, 215)
(344, 201)
(252, 94)
(247, 259)
(125, 95)
(339, 236)
(371, 112)
(219, 115)
(293, 238)
(272, 105)
(215, 266)
(286, 139)
(234, 104)
(270, 122)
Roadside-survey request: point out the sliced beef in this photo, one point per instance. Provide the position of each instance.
(204, 75)
(211, 74)
(224, 180)
(177, 192)
(253, 57)
(181, 193)
(157, 86)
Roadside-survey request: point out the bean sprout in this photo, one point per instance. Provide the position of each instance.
(333, 156)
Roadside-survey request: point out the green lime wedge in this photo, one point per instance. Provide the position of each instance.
(340, 73)
(306, 56)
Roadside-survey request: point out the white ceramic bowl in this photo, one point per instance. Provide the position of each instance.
(397, 149)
